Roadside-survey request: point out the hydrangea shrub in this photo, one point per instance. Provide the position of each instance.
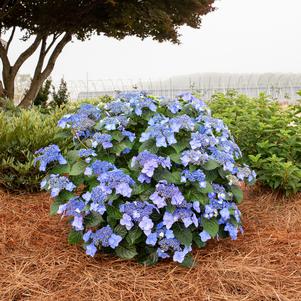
(148, 177)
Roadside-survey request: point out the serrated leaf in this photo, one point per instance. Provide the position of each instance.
(149, 259)
(237, 193)
(175, 158)
(114, 212)
(64, 196)
(211, 226)
(183, 234)
(197, 240)
(60, 169)
(116, 135)
(126, 252)
(163, 174)
(72, 156)
(75, 237)
(193, 194)
(54, 207)
(133, 235)
(149, 145)
(119, 147)
(210, 165)
(138, 189)
(181, 145)
(93, 219)
(120, 230)
(78, 168)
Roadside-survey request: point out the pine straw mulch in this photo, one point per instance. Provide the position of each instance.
(36, 263)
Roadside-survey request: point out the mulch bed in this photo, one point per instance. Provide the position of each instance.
(36, 262)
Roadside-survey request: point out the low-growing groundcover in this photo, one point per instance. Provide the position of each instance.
(148, 178)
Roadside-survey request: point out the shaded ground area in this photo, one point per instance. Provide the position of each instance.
(36, 263)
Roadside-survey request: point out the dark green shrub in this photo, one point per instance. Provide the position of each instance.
(21, 134)
(43, 95)
(61, 96)
(268, 134)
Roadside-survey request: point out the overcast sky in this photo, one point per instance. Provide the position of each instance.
(240, 36)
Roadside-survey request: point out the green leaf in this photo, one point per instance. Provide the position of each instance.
(126, 252)
(116, 135)
(138, 189)
(210, 165)
(170, 208)
(78, 180)
(107, 157)
(119, 147)
(149, 145)
(149, 259)
(133, 235)
(197, 240)
(93, 219)
(237, 193)
(207, 189)
(112, 221)
(181, 145)
(75, 237)
(193, 194)
(114, 212)
(54, 207)
(64, 196)
(72, 156)
(163, 174)
(62, 135)
(175, 158)
(188, 261)
(183, 234)
(211, 226)
(78, 168)
(120, 230)
(60, 169)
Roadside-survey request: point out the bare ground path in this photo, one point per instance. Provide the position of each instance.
(36, 263)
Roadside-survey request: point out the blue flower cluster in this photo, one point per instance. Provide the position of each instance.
(104, 237)
(57, 183)
(48, 155)
(166, 192)
(137, 212)
(150, 175)
(149, 162)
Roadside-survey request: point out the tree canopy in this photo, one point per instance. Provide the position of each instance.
(60, 20)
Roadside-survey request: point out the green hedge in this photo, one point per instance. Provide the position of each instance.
(22, 132)
(268, 134)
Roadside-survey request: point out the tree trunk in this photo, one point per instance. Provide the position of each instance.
(32, 93)
(9, 72)
(39, 75)
(9, 86)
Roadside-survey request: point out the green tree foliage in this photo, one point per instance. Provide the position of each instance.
(53, 23)
(61, 96)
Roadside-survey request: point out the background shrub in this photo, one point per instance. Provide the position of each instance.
(268, 134)
(22, 132)
(61, 96)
